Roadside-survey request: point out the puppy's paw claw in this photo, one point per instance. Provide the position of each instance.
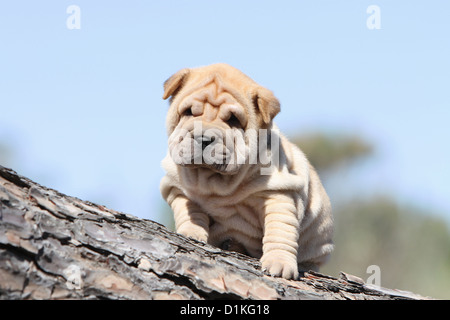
(279, 266)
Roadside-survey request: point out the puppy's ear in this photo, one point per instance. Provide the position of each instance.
(175, 82)
(266, 104)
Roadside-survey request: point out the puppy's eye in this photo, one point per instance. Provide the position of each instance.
(187, 112)
(234, 122)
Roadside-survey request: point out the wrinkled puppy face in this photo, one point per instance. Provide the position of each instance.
(215, 117)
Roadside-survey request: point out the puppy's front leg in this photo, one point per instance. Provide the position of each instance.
(280, 239)
(190, 220)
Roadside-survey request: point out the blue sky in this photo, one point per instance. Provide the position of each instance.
(82, 109)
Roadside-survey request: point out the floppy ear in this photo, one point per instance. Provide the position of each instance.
(175, 82)
(266, 104)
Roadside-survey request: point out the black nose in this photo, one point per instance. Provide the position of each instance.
(205, 141)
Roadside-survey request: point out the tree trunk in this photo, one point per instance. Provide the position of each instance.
(54, 246)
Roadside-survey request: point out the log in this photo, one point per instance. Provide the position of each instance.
(53, 246)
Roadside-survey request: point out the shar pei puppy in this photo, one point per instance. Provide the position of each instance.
(234, 181)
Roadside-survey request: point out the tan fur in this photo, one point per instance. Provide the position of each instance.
(283, 218)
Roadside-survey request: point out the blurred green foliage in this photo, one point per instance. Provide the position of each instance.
(410, 246)
(326, 151)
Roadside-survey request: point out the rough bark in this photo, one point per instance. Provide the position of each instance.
(54, 246)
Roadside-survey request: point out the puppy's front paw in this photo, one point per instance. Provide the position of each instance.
(195, 232)
(280, 264)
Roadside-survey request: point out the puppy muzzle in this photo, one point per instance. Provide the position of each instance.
(211, 147)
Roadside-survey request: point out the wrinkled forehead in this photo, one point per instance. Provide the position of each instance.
(215, 89)
(212, 91)
(213, 94)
